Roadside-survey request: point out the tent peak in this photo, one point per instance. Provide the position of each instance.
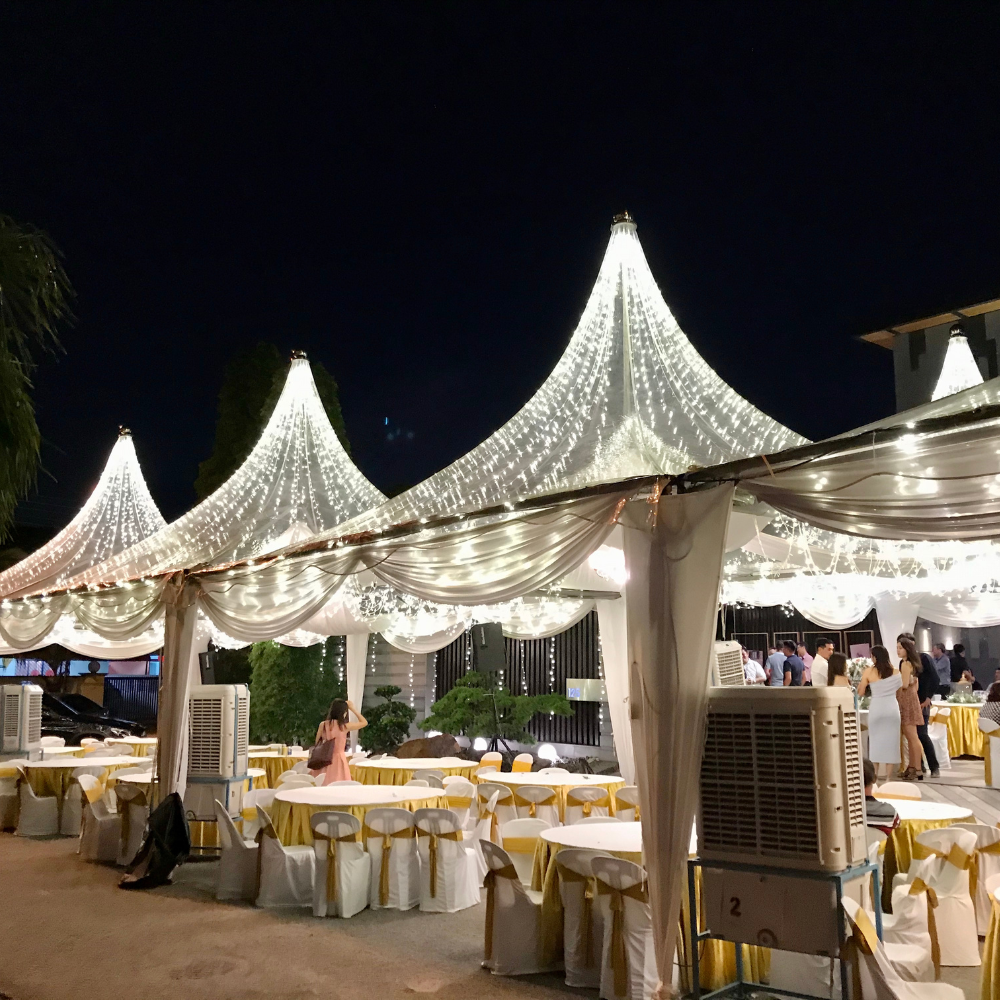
(299, 356)
(623, 219)
(124, 432)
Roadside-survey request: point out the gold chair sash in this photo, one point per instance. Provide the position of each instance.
(588, 804)
(520, 845)
(520, 766)
(905, 798)
(619, 954)
(126, 815)
(485, 801)
(863, 940)
(531, 804)
(388, 839)
(432, 848)
(919, 886)
(331, 858)
(620, 803)
(489, 883)
(586, 915)
(459, 801)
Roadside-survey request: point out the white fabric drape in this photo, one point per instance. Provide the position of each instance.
(423, 643)
(612, 623)
(673, 553)
(896, 613)
(357, 657)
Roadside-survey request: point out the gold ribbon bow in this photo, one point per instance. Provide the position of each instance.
(493, 816)
(432, 848)
(620, 803)
(917, 887)
(331, 858)
(489, 883)
(586, 914)
(532, 804)
(619, 955)
(126, 815)
(589, 804)
(388, 839)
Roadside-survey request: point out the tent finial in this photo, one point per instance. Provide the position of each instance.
(623, 217)
(124, 432)
(298, 355)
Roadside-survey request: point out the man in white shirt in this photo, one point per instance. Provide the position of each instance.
(776, 666)
(821, 662)
(754, 672)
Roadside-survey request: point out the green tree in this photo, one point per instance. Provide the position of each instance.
(291, 689)
(251, 386)
(476, 707)
(35, 296)
(388, 723)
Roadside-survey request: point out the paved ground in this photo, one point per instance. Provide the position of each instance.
(67, 932)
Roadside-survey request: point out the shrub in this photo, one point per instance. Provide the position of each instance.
(388, 723)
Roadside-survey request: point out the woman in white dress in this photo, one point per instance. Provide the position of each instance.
(883, 712)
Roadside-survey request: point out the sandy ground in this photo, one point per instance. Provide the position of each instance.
(67, 931)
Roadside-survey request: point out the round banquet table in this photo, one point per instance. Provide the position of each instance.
(292, 810)
(393, 771)
(274, 764)
(964, 735)
(559, 783)
(54, 753)
(146, 778)
(142, 746)
(914, 817)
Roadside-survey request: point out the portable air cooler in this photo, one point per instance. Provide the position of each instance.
(728, 665)
(218, 732)
(21, 712)
(781, 779)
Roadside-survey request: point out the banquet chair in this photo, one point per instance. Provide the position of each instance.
(52, 741)
(876, 975)
(295, 748)
(513, 922)
(343, 868)
(909, 925)
(38, 814)
(262, 797)
(583, 928)
(432, 780)
(537, 802)
(492, 759)
(295, 777)
(346, 781)
(71, 816)
(991, 761)
(449, 877)
(482, 772)
(390, 839)
(898, 790)
(276, 748)
(875, 840)
(302, 767)
(429, 772)
(627, 803)
(100, 830)
(553, 770)
(586, 801)
(628, 930)
(987, 862)
(133, 809)
(88, 741)
(946, 871)
(522, 762)
(102, 751)
(520, 838)
(937, 730)
(286, 874)
(476, 832)
(461, 794)
(238, 861)
(417, 783)
(503, 810)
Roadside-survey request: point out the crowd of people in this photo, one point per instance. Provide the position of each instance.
(900, 694)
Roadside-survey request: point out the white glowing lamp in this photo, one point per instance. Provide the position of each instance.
(432, 732)
(959, 370)
(608, 563)
(480, 744)
(548, 752)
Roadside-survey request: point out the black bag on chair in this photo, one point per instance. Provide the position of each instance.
(167, 844)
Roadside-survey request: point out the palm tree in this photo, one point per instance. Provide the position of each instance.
(35, 296)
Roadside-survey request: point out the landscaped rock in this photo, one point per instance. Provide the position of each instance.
(432, 746)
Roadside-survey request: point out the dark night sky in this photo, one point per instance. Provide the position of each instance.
(420, 195)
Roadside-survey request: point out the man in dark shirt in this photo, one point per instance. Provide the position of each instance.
(793, 665)
(959, 664)
(927, 687)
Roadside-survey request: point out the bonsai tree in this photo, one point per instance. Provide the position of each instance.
(388, 723)
(475, 707)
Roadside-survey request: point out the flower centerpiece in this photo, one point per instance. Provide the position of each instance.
(963, 698)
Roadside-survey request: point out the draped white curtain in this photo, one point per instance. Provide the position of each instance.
(612, 624)
(896, 613)
(673, 553)
(357, 657)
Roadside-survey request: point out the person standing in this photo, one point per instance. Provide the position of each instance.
(911, 717)
(883, 713)
(927, 687)
(942, 667)
(753, 672)
(793, 666)
(821, 661)
(776, 668)
(837, 675)
(804, 656)
(959, 664)
(328, 757)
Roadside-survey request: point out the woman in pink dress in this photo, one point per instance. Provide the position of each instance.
(334, 729)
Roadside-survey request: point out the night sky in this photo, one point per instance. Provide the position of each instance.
(419, 195)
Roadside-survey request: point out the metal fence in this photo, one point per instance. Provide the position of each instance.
(134, 698)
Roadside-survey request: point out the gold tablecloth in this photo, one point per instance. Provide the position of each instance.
(717, 958)
(291, 819)
(899, 850)
(274, 766)
(373, 775)
(989, 983)
(56, 780)
(561, 791)
(964, 735)
(145, 747)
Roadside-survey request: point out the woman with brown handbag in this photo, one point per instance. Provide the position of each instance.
(328, 756)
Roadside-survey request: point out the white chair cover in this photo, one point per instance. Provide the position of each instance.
(262, 797)
(481, 772)
(238, 863)
(583, 926)
(477, 831)
(52, 741)
(286, 873)
(391, 841)
(302, 767)
(628, 959)
(503, 809)
(520, 839)
(71, 817)
(513, 915)
(586, 801)
(542, 803)
(908, 925)
(937, 730)
(133, 810)
(899, 790)
(100, 831)
(461, 796)
(523, 762)
(987, 865)
(343, 869)
(449, 877)
(492, 759)
(38, 815)
(418, 783)
(627, 803)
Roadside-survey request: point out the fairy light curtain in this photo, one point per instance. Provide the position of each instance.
(958, 370)
(118, 514)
